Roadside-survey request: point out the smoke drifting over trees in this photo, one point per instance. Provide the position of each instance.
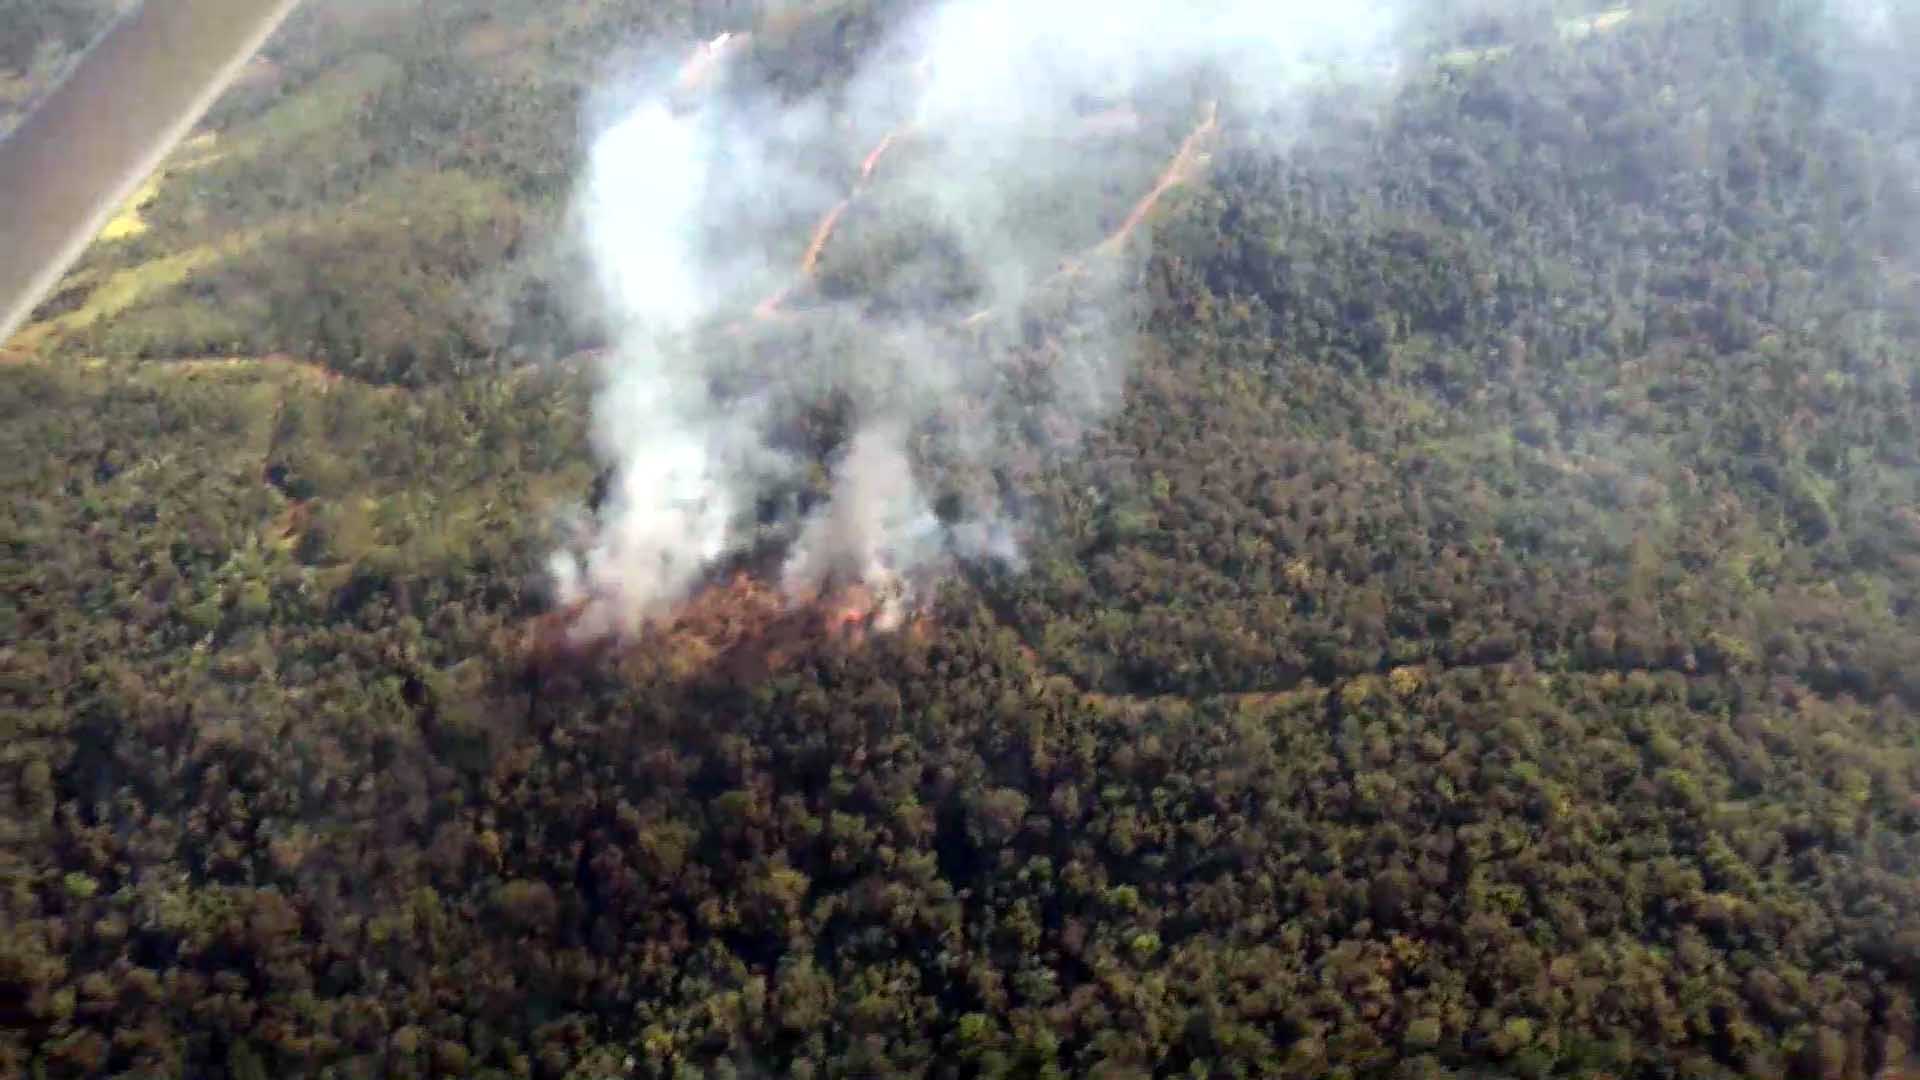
(972, 119)
(1468, 539)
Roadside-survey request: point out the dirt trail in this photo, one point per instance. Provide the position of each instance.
(823, 231)
(821, 234)
(311, 372)
(1186, 164)
(880, 151)
(1184, 168)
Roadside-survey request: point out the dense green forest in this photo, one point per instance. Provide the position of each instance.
(1486, 641)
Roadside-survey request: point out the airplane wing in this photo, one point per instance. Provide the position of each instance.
(87, 147)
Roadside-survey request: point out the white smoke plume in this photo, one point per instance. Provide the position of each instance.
(968, 170)
(874, 527)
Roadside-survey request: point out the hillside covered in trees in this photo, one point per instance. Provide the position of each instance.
(1484, 641)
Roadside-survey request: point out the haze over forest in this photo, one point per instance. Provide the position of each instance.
(953, 538)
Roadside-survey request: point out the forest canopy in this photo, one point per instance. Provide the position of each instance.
(1484, 639)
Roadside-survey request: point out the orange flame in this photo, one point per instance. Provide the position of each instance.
(705, 59)
(741, 627)
(747, 625)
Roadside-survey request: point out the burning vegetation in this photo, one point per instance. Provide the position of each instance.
(736, 626)
(660, 571)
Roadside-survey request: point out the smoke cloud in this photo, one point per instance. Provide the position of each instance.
(930, 255)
